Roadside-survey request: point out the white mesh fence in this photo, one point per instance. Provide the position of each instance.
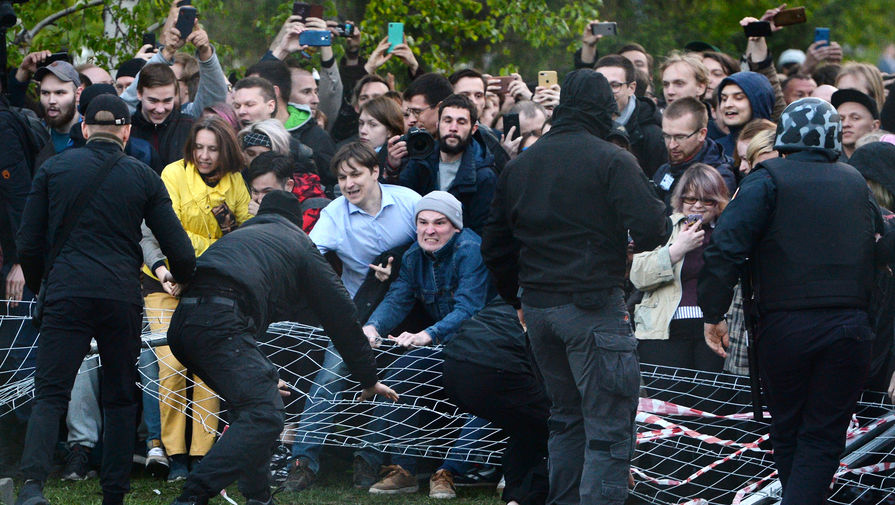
(697, 440)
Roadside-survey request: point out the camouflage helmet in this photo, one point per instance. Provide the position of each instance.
(809, 124)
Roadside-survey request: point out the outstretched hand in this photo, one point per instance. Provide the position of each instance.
(378, 389)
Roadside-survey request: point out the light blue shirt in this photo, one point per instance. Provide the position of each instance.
(357, 237)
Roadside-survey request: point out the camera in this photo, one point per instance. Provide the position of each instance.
(419, 143)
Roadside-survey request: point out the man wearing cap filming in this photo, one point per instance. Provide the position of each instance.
(79, 241)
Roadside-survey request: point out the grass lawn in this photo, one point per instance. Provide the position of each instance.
(333, 488)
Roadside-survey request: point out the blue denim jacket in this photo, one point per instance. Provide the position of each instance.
(452, 284)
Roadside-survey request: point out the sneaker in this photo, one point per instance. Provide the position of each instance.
(396, 481)
(77, 464)
(7, 491)
(441, 485)
(32, 494)
(157, 462)
(300, 476)
(180, 469)
(281, 466)
(478, 476)
(364, 473)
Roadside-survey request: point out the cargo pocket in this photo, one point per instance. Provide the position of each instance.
(619, 370)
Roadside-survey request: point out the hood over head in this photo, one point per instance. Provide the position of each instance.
(757, 89)
(586, 102)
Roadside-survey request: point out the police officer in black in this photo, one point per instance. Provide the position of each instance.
(100, 197)
(251, 277)
(807, 225)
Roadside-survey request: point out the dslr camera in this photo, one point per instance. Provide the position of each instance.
(420, 143)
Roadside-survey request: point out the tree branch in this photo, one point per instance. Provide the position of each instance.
(25, 36)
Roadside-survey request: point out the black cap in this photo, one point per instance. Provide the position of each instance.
(130, 68)
(283, 203)
(110, 109)
(91, 92)
(620, 133)
(852, 95)
(698, 46)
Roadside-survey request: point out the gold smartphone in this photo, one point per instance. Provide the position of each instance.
(547, 78)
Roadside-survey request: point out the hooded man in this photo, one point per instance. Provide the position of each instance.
(742, 97)
(559, 228)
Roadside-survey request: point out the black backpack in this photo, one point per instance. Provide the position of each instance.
(32, 131)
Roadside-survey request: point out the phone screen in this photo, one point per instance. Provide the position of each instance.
(822, 35)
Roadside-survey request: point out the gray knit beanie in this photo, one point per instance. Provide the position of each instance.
(443, 202)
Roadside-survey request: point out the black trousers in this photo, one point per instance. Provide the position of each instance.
(68, 325)
(685, 348)
(813, 364)
(217, 343)
(515, 402)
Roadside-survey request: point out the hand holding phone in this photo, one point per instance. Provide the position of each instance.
(315, 38)
(758, 29)
(149, 40)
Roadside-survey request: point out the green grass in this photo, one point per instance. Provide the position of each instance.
(333, 488)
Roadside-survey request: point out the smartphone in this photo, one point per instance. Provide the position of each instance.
(547, 78)
(148, 39)
(344, 29)
(609, 29)
(758, 29)
(301, 9)
(504, 81)
(694, 218)
(315, 38)
(822, 35)
(315, 11)
(186, 20)
(60, 56)
(788, 17)
(182, 3)
(510, 120)
(395, 35)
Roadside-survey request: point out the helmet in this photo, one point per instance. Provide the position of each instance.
(809, 124)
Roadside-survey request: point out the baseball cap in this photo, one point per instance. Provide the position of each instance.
(107, 110)
(61, 69)
(91, 92)
(852, 95)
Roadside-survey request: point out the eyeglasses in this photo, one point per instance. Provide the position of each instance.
(706, 202)
(617, 86)
(678, 138)
(415, 112)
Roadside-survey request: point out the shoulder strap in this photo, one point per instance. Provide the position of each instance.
(71, 218)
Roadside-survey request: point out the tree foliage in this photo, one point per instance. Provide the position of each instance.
(493, 35)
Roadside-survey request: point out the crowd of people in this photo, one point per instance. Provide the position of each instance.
(525, 243)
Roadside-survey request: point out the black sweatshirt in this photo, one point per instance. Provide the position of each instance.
(275, 268)
(102, 256)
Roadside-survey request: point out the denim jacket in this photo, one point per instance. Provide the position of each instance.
(452, 285)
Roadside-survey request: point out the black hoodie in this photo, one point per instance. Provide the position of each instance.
(563, 209)
(645, 131)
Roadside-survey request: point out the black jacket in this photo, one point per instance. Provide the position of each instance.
(711, 154)
(102, 256)
(808, 252)
(167, 138)
(561, 214)
(473, 185)
(645, 133)
(311, 135)
(15, 179)
(275, 267)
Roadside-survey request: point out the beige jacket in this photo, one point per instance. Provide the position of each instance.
(660, 281)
